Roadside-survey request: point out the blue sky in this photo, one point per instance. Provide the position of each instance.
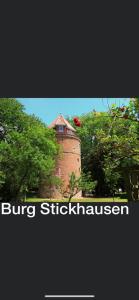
(47, 109)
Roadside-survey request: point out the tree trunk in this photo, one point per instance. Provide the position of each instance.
(132, 184)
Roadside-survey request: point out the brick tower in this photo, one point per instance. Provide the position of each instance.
(70, 159)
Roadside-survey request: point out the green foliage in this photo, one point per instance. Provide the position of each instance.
(27, 150)
(77, 184)
(50, 182)
(128, 112)
(109, 142)
(2, 178)
(86, 184)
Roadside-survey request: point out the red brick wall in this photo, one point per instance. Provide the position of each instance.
(69, 161)
(70, 158)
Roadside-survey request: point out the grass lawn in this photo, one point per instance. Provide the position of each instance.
(116, 199)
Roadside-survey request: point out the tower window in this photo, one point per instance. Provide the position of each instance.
(60, 128)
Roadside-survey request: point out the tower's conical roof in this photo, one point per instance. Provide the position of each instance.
(60, 120)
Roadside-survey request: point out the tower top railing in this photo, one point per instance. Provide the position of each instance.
(66, 131)
(71, 134)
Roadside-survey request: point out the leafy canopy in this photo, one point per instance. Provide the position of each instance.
(109, 142)
(28, 150)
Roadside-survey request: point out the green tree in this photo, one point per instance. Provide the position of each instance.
(77, 184)
(128, 152)
(109, 141)
(28, 150)
(95, 126)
